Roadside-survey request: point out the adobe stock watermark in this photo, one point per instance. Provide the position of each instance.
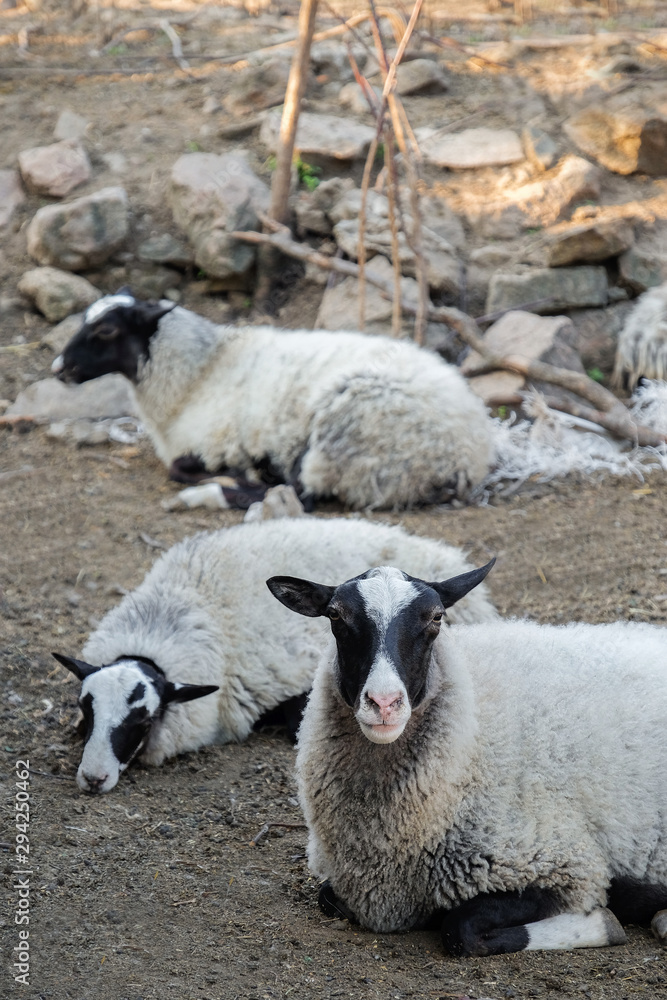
(21, 874)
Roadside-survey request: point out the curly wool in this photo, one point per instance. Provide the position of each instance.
(539, 757)
(373, 421)
(204, 615)
(642, 343)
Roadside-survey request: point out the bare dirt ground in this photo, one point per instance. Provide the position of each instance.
(155, 891)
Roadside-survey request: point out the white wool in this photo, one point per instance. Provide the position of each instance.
(642, 343)
(204, 615)
(555, 444)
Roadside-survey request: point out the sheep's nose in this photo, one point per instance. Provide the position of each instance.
(94, 784)
(386, 702)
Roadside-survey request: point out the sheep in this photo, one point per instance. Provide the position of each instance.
(200, 652)
(505, 780)
(642, 343)
(377, 423)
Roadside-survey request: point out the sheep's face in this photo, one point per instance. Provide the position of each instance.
(121, 703)
(384, 623)
(114, 337)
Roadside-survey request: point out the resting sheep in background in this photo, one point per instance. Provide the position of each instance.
(508, 779)
(200, 651)
(372, 421)
(642, 343)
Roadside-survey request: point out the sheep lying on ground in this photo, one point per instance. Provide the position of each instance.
(642, 343)
(372, 421)
(203, 622)
(508, 779)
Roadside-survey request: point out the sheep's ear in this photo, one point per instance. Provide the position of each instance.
(125, 290)
(310, 599)
(147, 315)
(79, 668)
(186, 692)
(453, 590)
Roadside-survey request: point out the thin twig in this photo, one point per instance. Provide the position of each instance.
(268, 826)
(176, 47)
(47, 774)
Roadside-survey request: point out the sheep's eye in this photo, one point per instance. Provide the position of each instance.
(333, 615)
(437, 618)
(106, 333)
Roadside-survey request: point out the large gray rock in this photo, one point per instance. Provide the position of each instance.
(420, 76)
(108, 396)
(211, 196)
(55, 170)
(597, 333)
(538, 203)
(558, 288)
(539, 147)
(57, 293)
(313, 208)
(59, 336)
(11, 195)
(626, 132)
(534, 338)
(70, 125)
(164, 249)
(473, 148)
(353, 97)
(80, 234)
(588, 242)
(321, 135)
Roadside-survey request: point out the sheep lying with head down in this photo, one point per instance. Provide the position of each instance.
(200, 651)
(372, 421)
(507, 779)
(642, 343)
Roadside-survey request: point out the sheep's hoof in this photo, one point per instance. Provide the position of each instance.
(659, 926)
(331, 905)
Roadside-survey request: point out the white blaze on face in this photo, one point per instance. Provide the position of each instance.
(116, 691)
(105, 304)
(57, 365)
(384, 708)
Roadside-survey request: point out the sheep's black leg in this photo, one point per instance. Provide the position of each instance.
(307, 499)
(634, 901)
(188, 469)
(332, 906)
(496, 923)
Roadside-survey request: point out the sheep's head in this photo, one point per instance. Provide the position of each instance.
(114, 337)
(120, 704)
(384, 623)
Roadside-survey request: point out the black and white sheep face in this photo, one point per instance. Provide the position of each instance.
(121, 703)
(384, 623)
(114, 338)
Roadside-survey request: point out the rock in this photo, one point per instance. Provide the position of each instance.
(645, 264)
(211, 196)
(279, 501)
(339, 309)
(627, 132)
(70, 125)
(55, 170)
(597, 333)
(57, 293)
(164, 249)
(58, 337)
(82, 233)
(442, 263)
(321, 135)
(529, 336)
(257, 87)
(599, 239)
(329, 59)
(539, 203)
(108, 396)
(420, 76)
(150, 281)
(11, 195)
(473, 148)
(540, 148)
(79, 432)
(659, 926)
(491, 256)
(313, 208)
(116, 162)
(352, 96)
(564, 287)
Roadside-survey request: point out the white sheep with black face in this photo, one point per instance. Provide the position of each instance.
(372, 421)
(507, 779)
(200, 652)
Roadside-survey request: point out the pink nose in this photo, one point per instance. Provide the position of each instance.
(386, 702)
